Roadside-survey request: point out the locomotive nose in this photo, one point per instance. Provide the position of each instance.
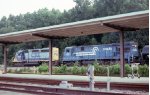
(14, 59)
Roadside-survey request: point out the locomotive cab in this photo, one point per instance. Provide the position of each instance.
(134, 50)
(134, 53)
(19, 56)
(145, 54)
(67, 54)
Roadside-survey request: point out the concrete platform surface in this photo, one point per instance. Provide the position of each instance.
(78, 78)
(2, 92)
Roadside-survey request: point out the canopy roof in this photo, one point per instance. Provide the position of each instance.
(122, 22)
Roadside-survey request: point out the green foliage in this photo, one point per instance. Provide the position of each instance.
(18, 71)
(75, 69)
(43, 68)
(115, 69)
(27, 70)
(127, 69)
(83, 70)
(61, 69)
(144, 70)
(22, 70)
(10, 71)
(100, 70)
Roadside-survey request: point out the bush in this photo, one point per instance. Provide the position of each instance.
(43, 68)
(83, 70)
(144, 70)
(101, 70)
(96, 68)
(75, 69)
(127, 69)
(115, 69)
(10, 71)
(18, 71)
(61, 69)
(55, 70)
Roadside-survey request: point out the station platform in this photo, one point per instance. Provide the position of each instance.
(144, 80)
(2, 92)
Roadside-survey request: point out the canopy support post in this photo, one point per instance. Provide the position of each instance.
(50, 57)
(5, 58)
(121, 54)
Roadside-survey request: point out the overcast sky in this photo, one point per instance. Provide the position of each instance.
(16, 7)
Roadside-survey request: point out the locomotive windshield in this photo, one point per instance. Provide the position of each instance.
(21, 55)
(134, 49)
(67, 50)
(145, 50)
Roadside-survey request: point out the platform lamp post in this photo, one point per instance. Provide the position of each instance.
(50, 57)
(108, 79)
(90, 74)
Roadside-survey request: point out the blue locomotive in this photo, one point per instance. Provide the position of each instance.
(35, 56)
(103, 52)
(145, 54)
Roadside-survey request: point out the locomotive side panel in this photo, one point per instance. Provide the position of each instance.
(105, 52)
(81, 53)
(36, 55)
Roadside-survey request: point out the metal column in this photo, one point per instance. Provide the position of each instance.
(5, 58)
(50, 57)
(121, 54)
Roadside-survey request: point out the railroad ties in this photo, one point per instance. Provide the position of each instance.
(50, 87)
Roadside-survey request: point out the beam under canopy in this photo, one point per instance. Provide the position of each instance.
(49, 37)
(119, 27)
(9, 42)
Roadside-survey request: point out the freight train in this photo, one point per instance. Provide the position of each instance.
(83, 54)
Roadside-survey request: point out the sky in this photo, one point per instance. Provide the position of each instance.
(16, 7)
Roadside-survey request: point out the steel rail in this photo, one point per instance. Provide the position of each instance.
(52, 91)
(131, 86)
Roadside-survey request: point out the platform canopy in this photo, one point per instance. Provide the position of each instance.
(129, 22)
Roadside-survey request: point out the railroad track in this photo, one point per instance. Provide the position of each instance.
(7, 83)
(131, 86)
(51, 91)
